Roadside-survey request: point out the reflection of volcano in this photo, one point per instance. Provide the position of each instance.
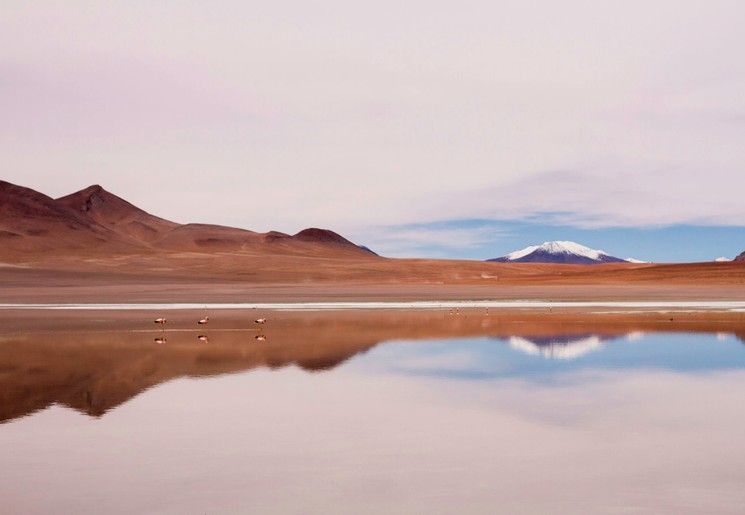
(561, 346)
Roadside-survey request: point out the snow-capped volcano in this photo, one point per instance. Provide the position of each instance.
(560, 252)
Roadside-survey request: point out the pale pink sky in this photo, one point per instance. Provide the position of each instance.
(356, 115)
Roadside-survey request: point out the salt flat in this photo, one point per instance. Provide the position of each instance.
(734, 306)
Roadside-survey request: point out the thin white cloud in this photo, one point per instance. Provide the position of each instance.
(613, 196)
(431, 241)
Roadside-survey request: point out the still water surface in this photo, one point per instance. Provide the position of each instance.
(369, 414)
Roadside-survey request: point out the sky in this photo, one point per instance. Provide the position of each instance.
(434, 128)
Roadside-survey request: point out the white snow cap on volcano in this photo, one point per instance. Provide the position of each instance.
(560, 252)
(559, 247)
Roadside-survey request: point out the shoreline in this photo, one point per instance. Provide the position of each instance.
(692, 306)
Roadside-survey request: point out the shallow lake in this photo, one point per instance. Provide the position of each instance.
(426, 412)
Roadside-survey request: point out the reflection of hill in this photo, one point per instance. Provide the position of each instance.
(94, 362)
(559, 346)
(95, 372)
(91, 366)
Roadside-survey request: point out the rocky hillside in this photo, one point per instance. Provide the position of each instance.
(94, 221)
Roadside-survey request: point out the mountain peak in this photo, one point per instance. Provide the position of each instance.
(19, 201)
(560, 247)
(327, 237)
(100, 204)
(559, 252)
(113, 212)
(90, 197)
(93, 188)
(314, 234)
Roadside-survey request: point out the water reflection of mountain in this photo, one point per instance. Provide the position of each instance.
(95, 376)
(93, 363)
(560, 346)
(78, 361)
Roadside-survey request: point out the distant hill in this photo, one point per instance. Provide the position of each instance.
(96, 222)
(564, 252)
(740, 257)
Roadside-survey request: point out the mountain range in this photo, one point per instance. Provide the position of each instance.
(85, 237)
(566, 252)
(94, 221)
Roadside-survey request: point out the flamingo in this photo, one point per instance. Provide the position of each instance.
(160, 340)
(161, 321)
(260, 321)
(204, 321)
(204, 338)
(260, 337)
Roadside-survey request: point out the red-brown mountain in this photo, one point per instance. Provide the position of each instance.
(95, 221)
(741, 257)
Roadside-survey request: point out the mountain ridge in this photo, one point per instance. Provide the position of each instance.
(96, 221)
(562, 252)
